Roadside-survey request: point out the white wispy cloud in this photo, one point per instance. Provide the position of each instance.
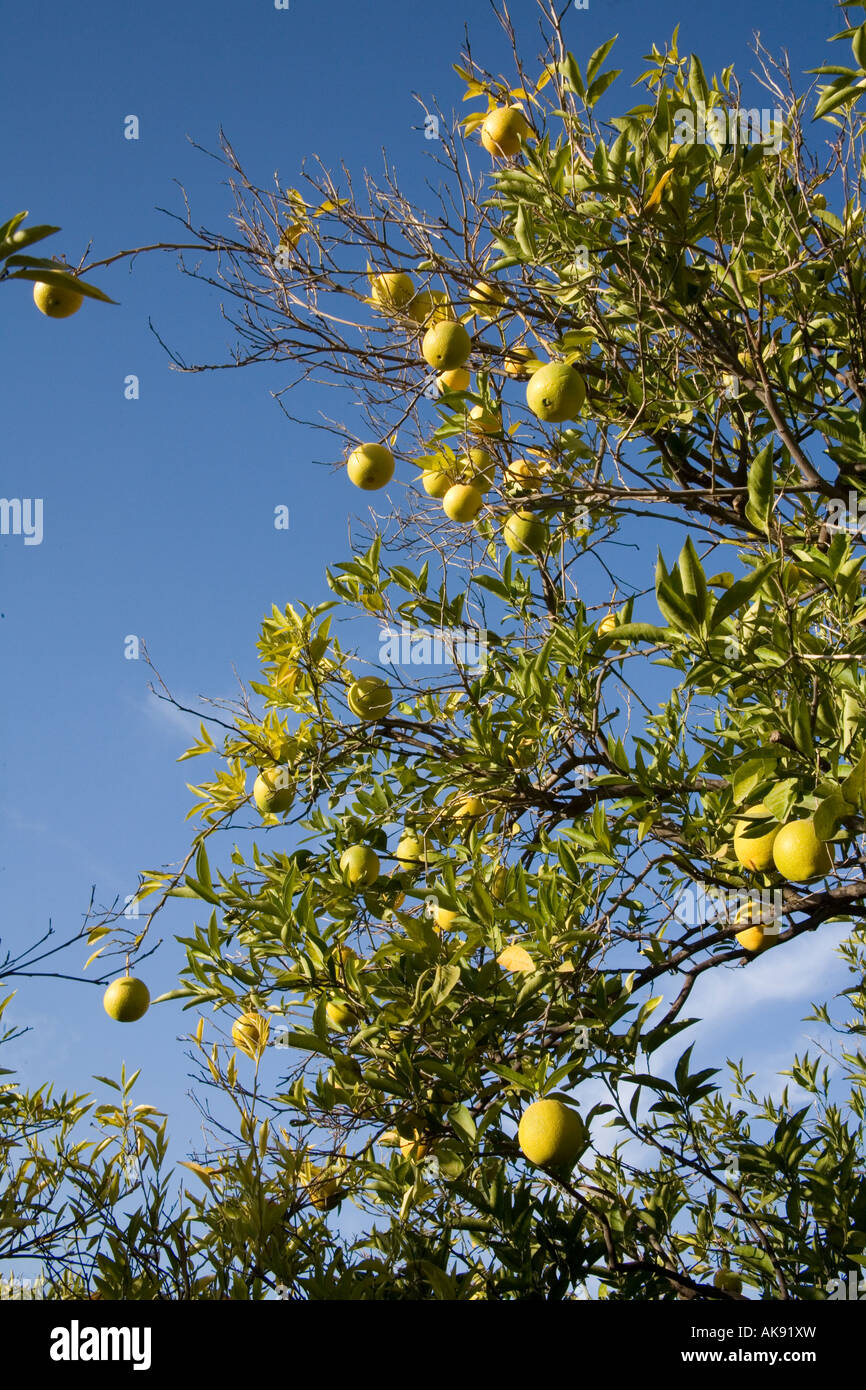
(163, 713)
(795, 972)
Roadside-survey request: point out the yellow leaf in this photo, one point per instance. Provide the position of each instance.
(292, 234)
(93, 957)
(474, 121)
(544, 78)
(656, 196)
(515, 960)
(200, 1029)
(204, 1173)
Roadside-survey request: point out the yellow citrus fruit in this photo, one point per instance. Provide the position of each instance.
(524, 533)
(360, 864)
(477, 469)
(550, 1133)
(755, 852)
(250, 1033)
(499, 882)
(370, 466)
(339, 1015)
(458, 379)
(429, 307)
(325, 1193)
(753, 937)
(273, 793)
(729, 1281)
(446, 345)
(392, 289)
(409, 849)
(503, 131)
(126, 1000)
(436, 482)
(555, 393)
(369, 697)
(522, 472)
(443, 918)
(799, 855)
(486, 300)
(415, 1148)
(469, 808)
(794, 576)
(484, 421)
(516, 361)
(462, 503)
(56, 301)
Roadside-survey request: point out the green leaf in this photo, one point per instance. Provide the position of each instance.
(834, 97)
(571, 72)
(462, 1120)
(854, 785)
(600, 86)
(760, 484)
(739, 594)
(523, 232)
(749, 775)
(597, 58)
(697, 81)
(829, 814)
(635, 632)
(675, 608)
(444, 980)
(693, 581)
(25, 237)
(9, 227)
(63, 280)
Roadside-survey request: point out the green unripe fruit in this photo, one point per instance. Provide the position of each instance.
(369, 697)
(436, 482)
(446, 345)
(525, 534)
(409, 850)
(360, 864)
(272, 792)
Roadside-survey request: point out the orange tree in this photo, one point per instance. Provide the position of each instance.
(481, 885)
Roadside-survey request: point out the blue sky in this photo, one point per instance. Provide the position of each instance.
(158, 512)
